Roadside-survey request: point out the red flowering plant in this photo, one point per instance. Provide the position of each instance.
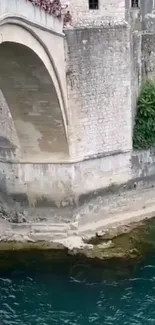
(53, 7)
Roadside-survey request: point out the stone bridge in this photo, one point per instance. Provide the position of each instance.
(65, 102)
(33, 82)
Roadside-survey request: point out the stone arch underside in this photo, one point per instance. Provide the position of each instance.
(33, 103)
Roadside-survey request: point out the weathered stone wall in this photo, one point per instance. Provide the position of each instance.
(148, 38)
(136, 70)
(33, 83)
(99, 90)
(96, 120)
(24, 10)
(103, 71)
(142, 22)
(136, 19)
(67, 184)
(63, 184)
(148, 55)
(33, 103)
(143, 164)
(108, 11)
(143, 18)
(148, 15)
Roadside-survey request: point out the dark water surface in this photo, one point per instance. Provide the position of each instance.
(56, 297)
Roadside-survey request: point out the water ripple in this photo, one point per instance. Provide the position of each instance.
(62, 299)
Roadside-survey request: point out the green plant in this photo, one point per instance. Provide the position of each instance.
(144, 129)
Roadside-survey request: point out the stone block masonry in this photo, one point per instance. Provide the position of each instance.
(85, 145)
(63, 184)
(108, 11)
(99, 90)
(148, 54)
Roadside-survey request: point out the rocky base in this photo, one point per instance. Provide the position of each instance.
(126, 245)
(97, 258)
(100, 233)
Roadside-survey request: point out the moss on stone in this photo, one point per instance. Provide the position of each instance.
(118, 254)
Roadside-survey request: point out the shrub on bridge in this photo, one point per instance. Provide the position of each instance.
(144, 129)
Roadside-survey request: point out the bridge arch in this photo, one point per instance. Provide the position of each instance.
(35, 106)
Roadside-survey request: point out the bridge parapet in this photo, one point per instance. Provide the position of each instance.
(27, 11)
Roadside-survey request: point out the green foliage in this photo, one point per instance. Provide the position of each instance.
(144, 129)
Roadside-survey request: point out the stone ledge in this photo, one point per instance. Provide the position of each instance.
(94, 240)
(24, 10)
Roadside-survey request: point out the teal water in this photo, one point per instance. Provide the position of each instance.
(56, 297)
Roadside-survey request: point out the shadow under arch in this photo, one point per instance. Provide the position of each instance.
(33, 95)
